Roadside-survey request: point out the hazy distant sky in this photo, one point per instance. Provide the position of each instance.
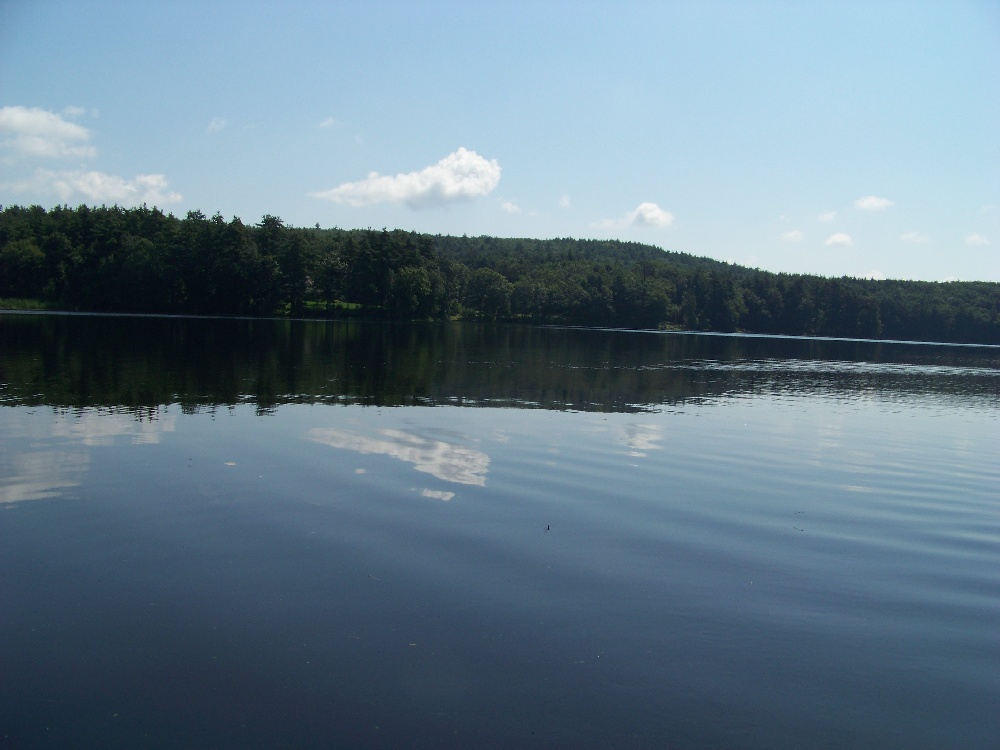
(839, 138)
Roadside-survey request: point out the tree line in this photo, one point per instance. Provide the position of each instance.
(141, 260)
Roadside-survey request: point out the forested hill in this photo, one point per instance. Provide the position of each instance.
(142, 260)
(468, 249)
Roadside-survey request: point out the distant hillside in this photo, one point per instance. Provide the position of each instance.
(142, 260)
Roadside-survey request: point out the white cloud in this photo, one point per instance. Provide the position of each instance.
(839, 239)
(39, 133)
(33, 133)
(564, 201)
(98, 187)
(872, 203)
(794, 236)
(216, 125)
(646, 214)
(977, 240)
(915, 237)
(511, 208)
(875, 275)
(827, 216)
(461, 175)
(650, 215)
(329, 122)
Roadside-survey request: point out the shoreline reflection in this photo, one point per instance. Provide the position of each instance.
(141, 364)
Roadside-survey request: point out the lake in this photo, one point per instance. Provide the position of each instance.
(287, 534)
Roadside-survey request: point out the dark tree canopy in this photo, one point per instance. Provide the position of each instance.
(142, 260)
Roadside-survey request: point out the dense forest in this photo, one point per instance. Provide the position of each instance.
(141, 260)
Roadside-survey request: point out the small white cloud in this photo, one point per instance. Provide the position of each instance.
(915, 237)
(511, 208)
(98, 187)
(216, 125)
(37, 132)
(977, 240)
(794, 236)
(840, 239)
(564, 201)
(650, 215)
(33, 132)
(875, 275)
(872, 203)
(827, 216)
(646, 214)
(462, 175)
(329, 122)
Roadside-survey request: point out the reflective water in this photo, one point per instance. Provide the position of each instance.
(241, 534)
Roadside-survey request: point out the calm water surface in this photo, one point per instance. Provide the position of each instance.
(267, 534)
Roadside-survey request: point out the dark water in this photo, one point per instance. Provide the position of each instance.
(260, 534)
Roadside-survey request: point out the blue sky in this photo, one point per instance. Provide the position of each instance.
(837, 138)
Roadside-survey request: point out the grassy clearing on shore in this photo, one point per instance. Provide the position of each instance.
(22, 303)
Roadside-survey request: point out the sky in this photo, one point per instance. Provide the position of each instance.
(834, 138)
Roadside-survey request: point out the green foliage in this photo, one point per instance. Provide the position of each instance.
(488, 293)
(22, 265)
(19, 303)
(141, 260)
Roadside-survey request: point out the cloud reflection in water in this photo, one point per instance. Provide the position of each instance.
(641, 438)
(452, 463)
(100, 428)
(28, 473)
(40, 475)
(438, 494)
